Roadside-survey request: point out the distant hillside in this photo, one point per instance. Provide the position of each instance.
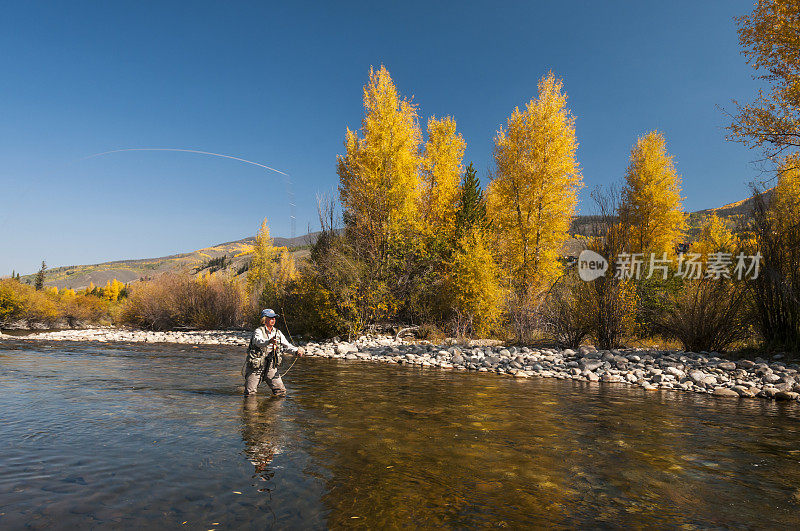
(588, 225)
(734, 212)
(78, 277)
(743, 207)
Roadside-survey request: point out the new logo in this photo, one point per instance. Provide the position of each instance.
(591, 265)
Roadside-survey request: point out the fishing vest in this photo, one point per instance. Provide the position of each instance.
(259, 358)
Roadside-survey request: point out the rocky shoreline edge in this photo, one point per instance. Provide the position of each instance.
(704, 372)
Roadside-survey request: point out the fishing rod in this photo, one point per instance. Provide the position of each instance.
(283, 315)
(289, 192)
(181, 150)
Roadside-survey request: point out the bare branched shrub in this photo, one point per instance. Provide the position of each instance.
(155, 304)
(174, 300)
(611, 301)
(707, 314)
(85, 309)
(776, 290)
(564, 315)
(430, 332)
(523, 314)
(217, 302)
(461, 325)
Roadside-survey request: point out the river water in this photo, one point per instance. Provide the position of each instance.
(159, 436)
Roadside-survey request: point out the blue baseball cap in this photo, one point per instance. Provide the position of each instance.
(268, 313)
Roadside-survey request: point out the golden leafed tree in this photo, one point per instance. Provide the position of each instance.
(264, 254)
(474, 285)
(770, 38)
(285, 269)
(532, 197)
(651, 211)
(775, 228)
(379, 172)
(784, 207)
(112, 290)
(271, 268)
(441, 174)
(715, 236)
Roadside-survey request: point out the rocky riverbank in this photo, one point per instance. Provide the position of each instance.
(650, 369)
(111, 334)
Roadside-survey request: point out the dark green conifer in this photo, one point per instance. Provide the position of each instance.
(39, 282)
(472, 207)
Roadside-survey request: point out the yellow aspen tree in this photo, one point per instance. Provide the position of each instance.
(105, 291)
(285, 270)
(378, 174)
(112, 290)
(651, 212)
(117, 288)
(262, 267)
(784, 206)
(715, 236)
(441, 175)
(90, 288)
(474, 285)
(532, 197)
(770, 40)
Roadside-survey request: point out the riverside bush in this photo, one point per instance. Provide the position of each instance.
(564, 312)
(175, 300)
(776, 229)
(611, 302)
(312, 311)
(12, 299)
(353, 293)
(49, 306)
(705, 314)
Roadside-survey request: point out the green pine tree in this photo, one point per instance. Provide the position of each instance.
(472, 207)
(39, 282)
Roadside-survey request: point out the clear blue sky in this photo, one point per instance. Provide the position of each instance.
(278, 84)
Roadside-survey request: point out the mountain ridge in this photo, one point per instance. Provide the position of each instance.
(132, 270)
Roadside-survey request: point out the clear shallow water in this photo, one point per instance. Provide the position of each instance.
(131, 436)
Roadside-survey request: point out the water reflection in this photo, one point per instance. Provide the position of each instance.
(474, 450)
(261, 433)
(153, 435)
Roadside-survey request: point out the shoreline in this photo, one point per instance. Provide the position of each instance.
(650, 369)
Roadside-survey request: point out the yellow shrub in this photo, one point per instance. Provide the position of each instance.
(12, 299)
(474, 286)
(173, 300)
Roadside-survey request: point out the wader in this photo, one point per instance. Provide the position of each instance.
(263, 365)
(254, 376)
